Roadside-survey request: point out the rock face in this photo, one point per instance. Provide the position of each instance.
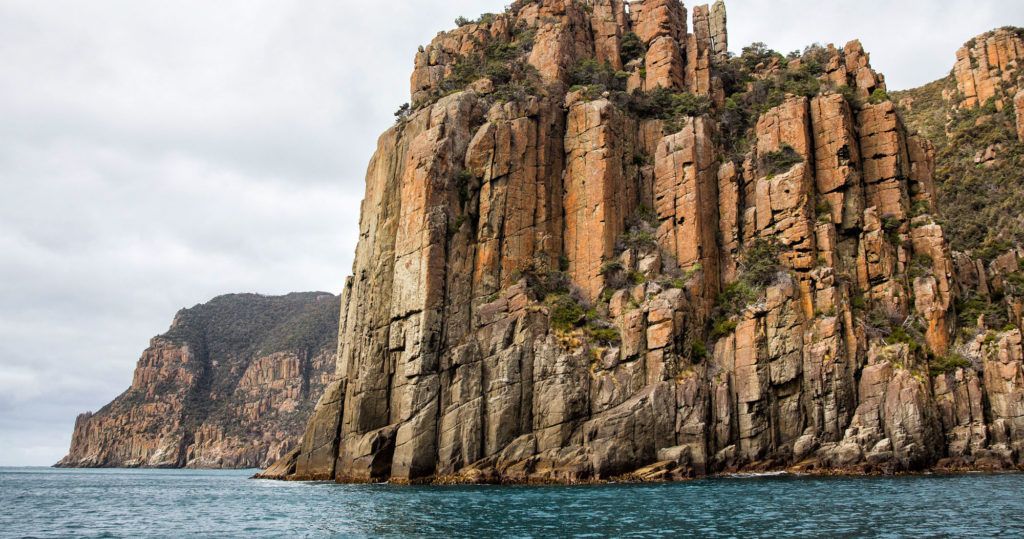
(987, 67)
(230, 385)
(555, 284)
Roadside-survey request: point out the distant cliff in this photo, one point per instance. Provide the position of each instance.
(230, 385)
(598, 245)
(975, 118)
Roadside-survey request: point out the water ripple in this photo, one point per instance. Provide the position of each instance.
(174, 503)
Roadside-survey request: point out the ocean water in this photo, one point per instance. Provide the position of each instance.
(38, 502)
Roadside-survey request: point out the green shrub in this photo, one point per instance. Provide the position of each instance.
(665, 104)
(850, 95)
(756, 54)
(462, 21)
(642, 160)
(605, 336)
(1014, 284)
(723, 327)
(977, 201)
(777, 162)
(636, 278)
(880, 321)
(503, 62)
(403, 112)
(920, 208)
(858, 302)
(611, 267)
(909, 337)
(736, 297)
(878, 96)
(891, 227)
(455, 225)
(698, 351)
(947, 364)
(566, 311)
(646, 215)
(800, 82)
(596, 76)
(992, 250)
(814, 59)
(631, 48)
(824, 211)
(759, 268)
(463, 182)
(674, 283)
(759, 263)
(543, 282)
(639, 238)
(972, 306)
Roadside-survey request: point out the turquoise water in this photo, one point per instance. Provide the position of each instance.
(36, 502)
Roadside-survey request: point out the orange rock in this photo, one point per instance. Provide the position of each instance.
(719, 30)
(836, 152)
(608, 22)
(729, 218)
(986, 68)
(1018, 104)
(885, 159)
(482, 203)
(698, 67)
(664, 64)
(598, 197)
(656, 18)
(686, 199)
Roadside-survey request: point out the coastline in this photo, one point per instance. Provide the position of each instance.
(636, 478)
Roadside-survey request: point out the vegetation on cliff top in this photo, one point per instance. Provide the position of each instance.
(228, 331)
(979, 173)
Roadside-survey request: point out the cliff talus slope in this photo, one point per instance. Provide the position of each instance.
(230, 385)
(597, 245)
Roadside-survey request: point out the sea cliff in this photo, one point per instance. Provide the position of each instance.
(230, 385)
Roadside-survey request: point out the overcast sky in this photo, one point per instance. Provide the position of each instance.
(155, 154)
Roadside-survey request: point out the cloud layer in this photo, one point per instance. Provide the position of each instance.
(156, 154)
